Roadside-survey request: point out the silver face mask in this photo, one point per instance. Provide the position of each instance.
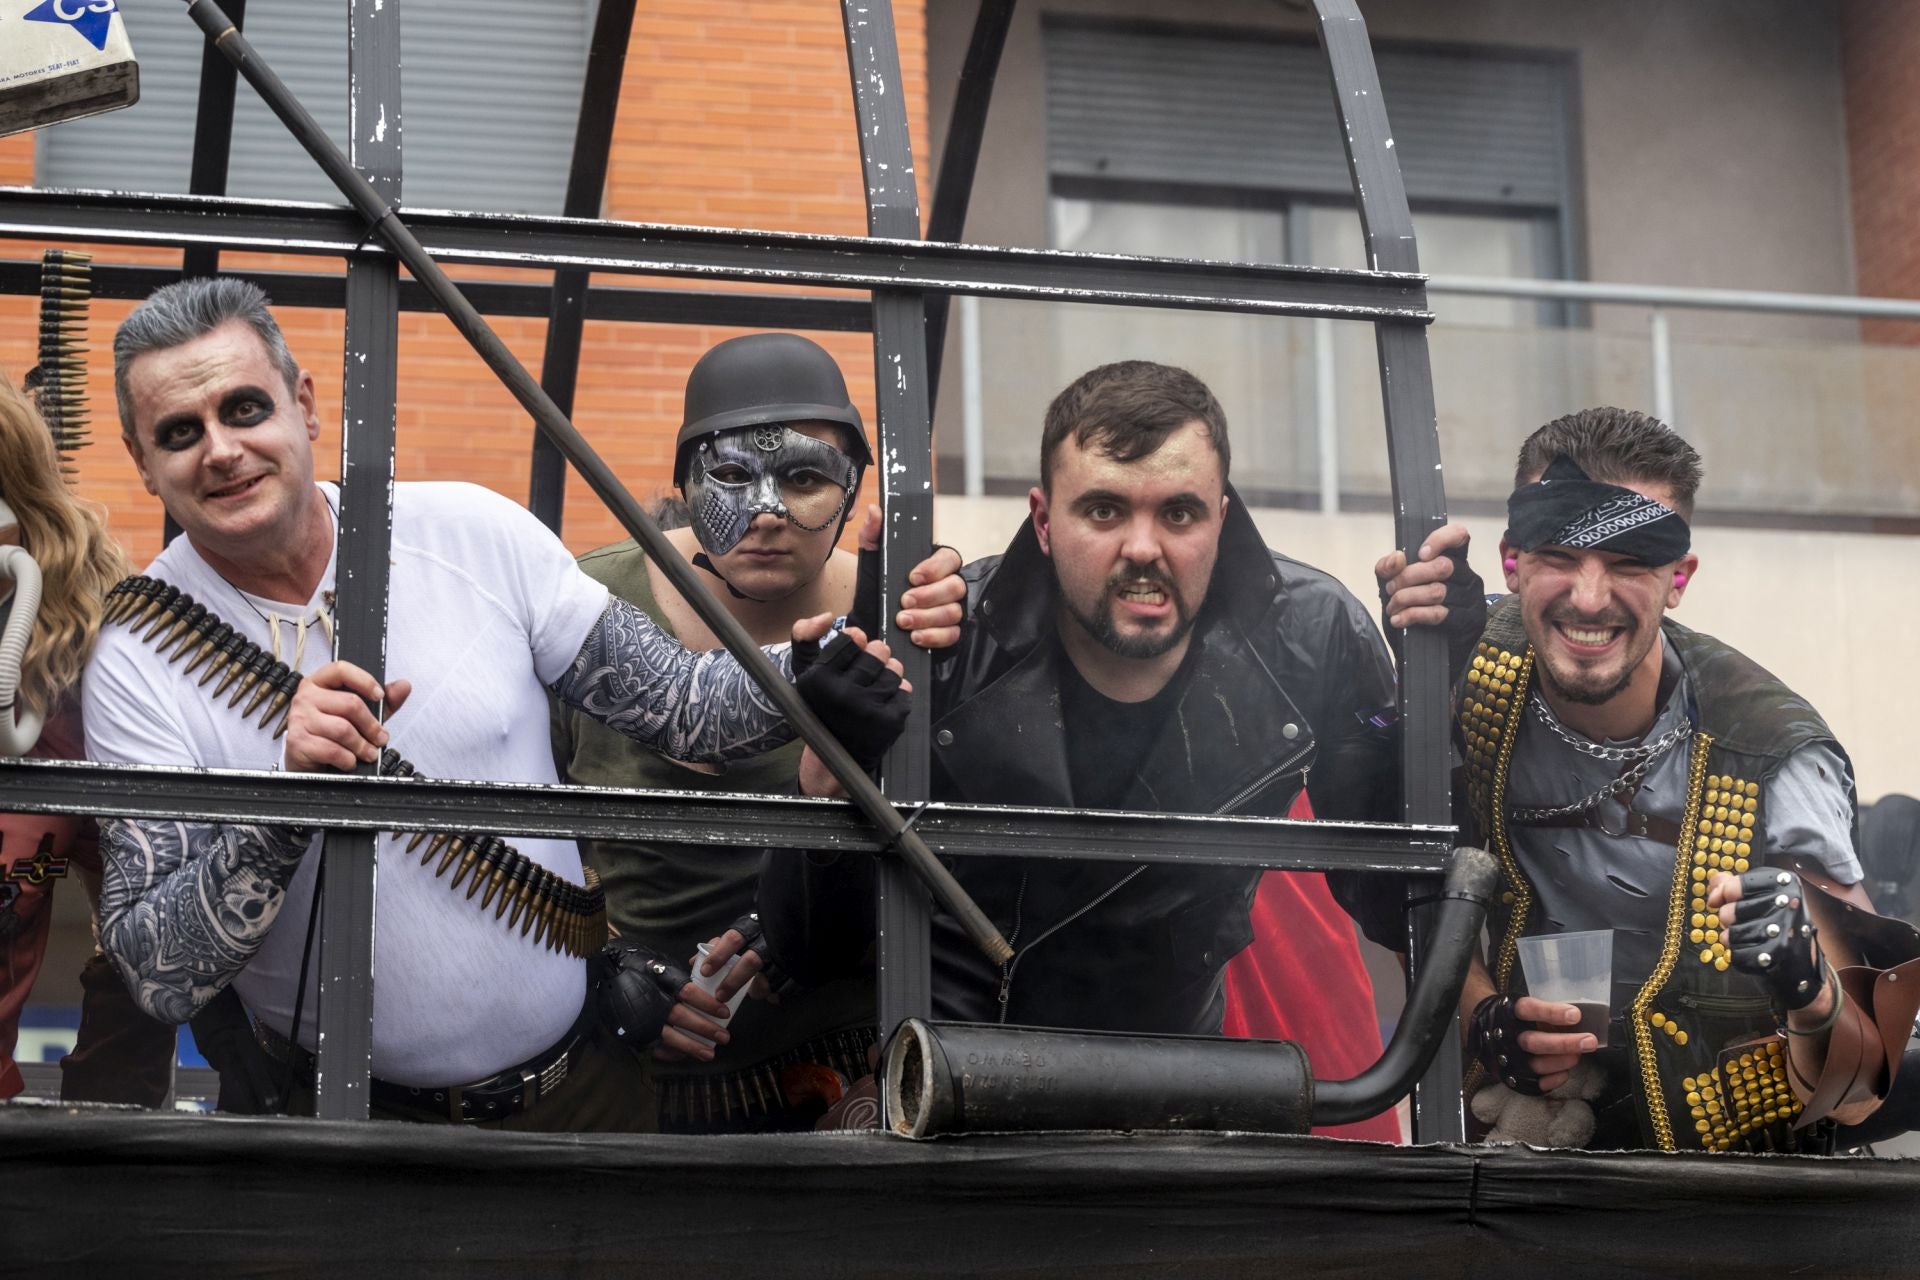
(739, 474)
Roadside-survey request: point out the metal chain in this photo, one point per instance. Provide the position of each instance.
(1617, 755)
(1642, 760)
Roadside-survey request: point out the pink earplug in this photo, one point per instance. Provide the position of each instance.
(1510, 564)
(1679, 579)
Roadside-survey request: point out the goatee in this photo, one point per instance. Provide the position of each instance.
(1102, 627)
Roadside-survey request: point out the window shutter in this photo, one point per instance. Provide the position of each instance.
(1257, 112)
(491, 90)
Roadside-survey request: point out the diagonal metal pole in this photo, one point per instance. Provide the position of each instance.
(386, 224)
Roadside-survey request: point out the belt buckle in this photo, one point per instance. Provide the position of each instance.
(555, 1073)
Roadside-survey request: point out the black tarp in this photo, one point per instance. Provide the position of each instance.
(139, 1194)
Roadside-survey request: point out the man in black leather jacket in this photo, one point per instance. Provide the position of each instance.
(1136, 647)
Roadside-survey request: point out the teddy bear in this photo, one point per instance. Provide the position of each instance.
(1560, 1118)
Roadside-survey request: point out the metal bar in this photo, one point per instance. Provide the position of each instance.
(344, 1013)
(386, 224)
(586, 187)
(1660, 337)
(767, 257)
(960, 156)
(213, 138)
(351, 802)
(1419, 493)
(1649, 295)
(499, 297)
(905, 469)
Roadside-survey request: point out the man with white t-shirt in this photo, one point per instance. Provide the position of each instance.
(487, 613)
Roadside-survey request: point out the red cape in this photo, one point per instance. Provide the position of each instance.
(1302, 979)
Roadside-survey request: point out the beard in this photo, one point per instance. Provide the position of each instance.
(1100, 624)
(1591, 694)
(1592, 688)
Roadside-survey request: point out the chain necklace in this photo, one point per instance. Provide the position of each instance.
(323, 616)
(1639, 760)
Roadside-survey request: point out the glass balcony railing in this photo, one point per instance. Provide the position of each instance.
(1799, 419)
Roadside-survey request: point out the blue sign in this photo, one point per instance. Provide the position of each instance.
(91, 18)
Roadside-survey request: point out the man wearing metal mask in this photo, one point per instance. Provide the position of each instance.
(1635, 776)
(769, 431)
(769, 460)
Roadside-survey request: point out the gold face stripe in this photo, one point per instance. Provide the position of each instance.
(1677, 900)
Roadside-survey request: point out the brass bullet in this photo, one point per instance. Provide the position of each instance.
(456, 845)
(260, 695)
(467, 862)
(535, 903)
(493, 886)
(200, 655)
(234, 672)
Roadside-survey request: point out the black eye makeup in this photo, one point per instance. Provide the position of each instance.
(177, 434)
(246, 407)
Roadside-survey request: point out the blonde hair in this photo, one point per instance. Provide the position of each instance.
(68, 539)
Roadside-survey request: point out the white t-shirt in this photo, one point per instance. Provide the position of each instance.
(486, 609)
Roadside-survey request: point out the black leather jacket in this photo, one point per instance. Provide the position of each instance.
(1285, 692)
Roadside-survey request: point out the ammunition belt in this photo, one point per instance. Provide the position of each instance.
(563, 915)
(778, 1095)
(58, 383)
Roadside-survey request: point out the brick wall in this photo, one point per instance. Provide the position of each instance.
(740, 119)
(1881, 53)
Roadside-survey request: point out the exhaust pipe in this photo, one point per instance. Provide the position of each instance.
(956, 1077)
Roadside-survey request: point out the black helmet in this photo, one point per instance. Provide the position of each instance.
(764, 378)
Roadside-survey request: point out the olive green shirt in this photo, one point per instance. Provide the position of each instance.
(673, 897)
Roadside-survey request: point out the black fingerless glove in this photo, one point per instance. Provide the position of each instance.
(634, 989)
(855, 695)
(1773, 938)
(1493, 1038)
(748, 927)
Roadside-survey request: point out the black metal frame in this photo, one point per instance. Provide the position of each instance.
(900, 272)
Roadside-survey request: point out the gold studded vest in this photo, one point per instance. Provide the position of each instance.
(1710, 1064)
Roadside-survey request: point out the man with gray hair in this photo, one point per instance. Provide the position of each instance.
(482, 1011)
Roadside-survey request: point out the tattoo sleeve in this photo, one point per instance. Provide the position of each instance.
(634, 677)
(184, 906)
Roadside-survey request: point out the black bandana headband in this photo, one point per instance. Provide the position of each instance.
(1567, 508)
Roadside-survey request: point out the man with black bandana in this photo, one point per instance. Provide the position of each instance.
(1635, 776)
(769, 459)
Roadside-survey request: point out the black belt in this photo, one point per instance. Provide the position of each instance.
(507, 1093)
(1633, 823)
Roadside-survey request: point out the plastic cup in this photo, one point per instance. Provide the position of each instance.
(1575, 969)
(711, 983)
